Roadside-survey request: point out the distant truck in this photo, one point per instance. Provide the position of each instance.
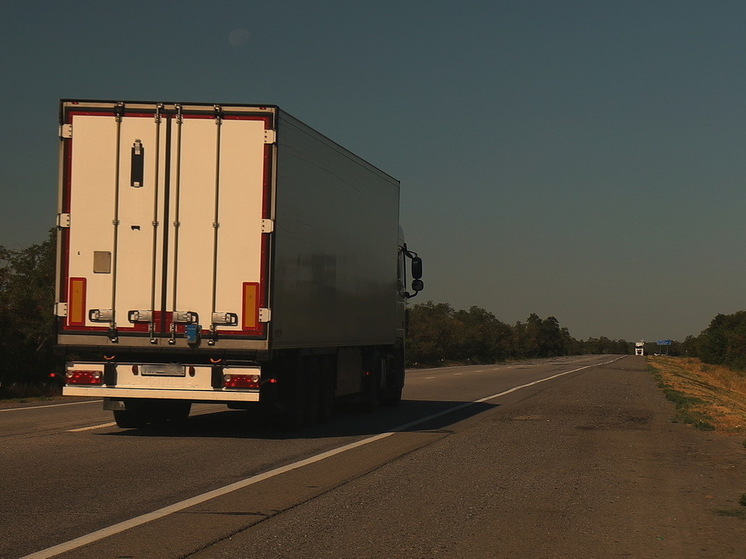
(639, 348)
(226, 254)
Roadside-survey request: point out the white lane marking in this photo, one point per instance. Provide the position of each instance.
(199, 499)
(487, 398)
(430, 378)
(92, 427)
(44, 406)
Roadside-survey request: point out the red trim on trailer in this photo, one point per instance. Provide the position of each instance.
(262, 296)
(267, 120)
(69, 327)
(266, 202)
(67, 157)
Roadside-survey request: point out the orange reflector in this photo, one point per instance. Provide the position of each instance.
(76, 302)
(250, 315)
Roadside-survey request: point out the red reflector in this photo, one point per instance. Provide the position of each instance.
(241, 381)
(84, 377)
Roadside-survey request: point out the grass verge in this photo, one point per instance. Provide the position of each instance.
(709, 397)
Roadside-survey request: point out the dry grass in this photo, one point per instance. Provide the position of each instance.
(711, 391)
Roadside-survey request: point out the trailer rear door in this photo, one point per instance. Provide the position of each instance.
(165, 217)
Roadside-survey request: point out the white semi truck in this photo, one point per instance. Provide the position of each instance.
(226, 254)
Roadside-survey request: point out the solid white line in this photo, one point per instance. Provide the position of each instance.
(487, 398)
(92, 427)
(44, 406)
(199, 499)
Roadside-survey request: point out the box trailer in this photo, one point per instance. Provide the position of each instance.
(227, 254)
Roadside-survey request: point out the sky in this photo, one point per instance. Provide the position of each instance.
(576, 159)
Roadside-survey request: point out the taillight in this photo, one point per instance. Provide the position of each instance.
(241, 381)
(84, 377)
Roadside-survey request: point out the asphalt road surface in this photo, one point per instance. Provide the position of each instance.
(561, 458)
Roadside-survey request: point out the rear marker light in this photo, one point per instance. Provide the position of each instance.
(241, 381)
(84, 377)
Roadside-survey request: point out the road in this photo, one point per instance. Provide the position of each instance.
(572, 457)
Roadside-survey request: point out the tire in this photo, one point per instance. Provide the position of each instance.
(391, 396)
(141, 412)
(130, 419)
(326, 392)
(309, 379)
(370, 398)
(293, 398)
(178, 410)
(394, 383)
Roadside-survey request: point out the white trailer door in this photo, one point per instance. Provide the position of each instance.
(166, 220)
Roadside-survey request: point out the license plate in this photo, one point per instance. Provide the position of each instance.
(165, 370)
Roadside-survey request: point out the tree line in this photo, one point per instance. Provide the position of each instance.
(27, 322)
(723, 342)
(439, 334)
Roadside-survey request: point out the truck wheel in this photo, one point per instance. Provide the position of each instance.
(394, 383)
(178, 410)
(391, 396)
(370, 398)
(310, 377)
(326, 392)
(391, 392)
(293, 415)
(130, 419)
(292, 419)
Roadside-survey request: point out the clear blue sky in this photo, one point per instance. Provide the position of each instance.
(581, 159)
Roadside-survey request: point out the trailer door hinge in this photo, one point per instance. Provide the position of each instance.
(63, 221)
(60, 309)
(265, 315)
(269, 136)
(268, 226)
(66, 131)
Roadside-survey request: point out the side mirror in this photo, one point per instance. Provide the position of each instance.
(417, 284)
(417, 269)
